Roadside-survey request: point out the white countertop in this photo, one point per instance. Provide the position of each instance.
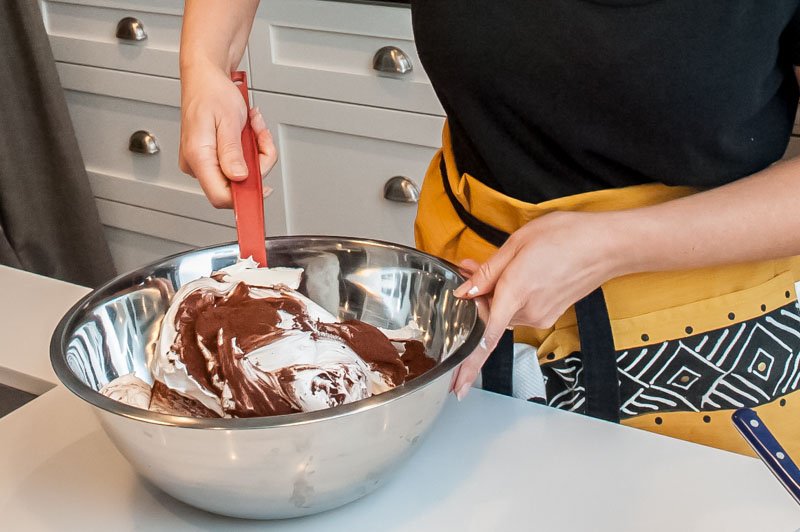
(490, 463)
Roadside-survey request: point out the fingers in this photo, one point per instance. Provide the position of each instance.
(503, 308)
(485, 278)
(453, 379)
(468, 267)
(229, 150)
(217, 159)
(267, 152)
(467, 373)
(258, 123)
(505, 305)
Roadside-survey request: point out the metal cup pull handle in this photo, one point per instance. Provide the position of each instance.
(392, 60)
(143, 142)
(401, 189)
(131, 29)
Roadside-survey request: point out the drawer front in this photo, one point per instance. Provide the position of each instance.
(326, 50)
(169, 7)
(107, 109)
(86, 34)
(130, 250)
(138, 236)
(336, 158)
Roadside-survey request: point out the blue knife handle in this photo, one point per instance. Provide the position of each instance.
(768, 449)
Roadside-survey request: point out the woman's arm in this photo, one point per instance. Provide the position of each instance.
(215, 33)
(213, 40)
(555, 260)
(750, 219)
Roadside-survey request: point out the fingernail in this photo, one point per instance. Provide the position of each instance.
(267, 191)
(461, 291)
(482, 344)
(239, 169)
(462, 392)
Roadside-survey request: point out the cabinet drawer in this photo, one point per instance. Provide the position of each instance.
(139, 236)
(169, 7)
(130, 250)
(107, 108)
(86, 34)
(325, 50)
(335, 159)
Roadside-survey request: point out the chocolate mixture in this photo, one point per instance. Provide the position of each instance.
(214, 333)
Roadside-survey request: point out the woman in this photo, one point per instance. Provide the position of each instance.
(607, 181)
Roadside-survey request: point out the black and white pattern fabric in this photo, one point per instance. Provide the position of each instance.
(744, 365)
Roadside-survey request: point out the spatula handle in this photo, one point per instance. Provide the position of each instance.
(248, 199)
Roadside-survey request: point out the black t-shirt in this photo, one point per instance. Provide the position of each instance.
(548, 98)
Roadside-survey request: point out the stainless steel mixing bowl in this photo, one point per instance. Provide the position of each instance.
(281, 466)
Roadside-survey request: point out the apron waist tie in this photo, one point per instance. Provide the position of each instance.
(594, 328)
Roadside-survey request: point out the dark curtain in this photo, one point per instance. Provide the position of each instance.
(48, 220)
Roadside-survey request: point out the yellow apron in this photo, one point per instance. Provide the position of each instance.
(690, 346)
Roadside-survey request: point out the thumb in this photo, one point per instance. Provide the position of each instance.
(487, 274)
(229, 151)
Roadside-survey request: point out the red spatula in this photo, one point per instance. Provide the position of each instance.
(248, 199)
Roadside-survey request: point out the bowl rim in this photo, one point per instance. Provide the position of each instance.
(67, 377)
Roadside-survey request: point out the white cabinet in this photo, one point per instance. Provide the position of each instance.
(107, 109)
(138, 236)
(327, 50)
(335, 159)
(343, 127)
(87, 34)
(132, 250)
(135, 36)
(149, 208)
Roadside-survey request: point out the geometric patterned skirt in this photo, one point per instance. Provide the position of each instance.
(688, 387)
(688, 347)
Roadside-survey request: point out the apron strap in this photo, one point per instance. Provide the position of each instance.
(599, 357)
(497, 374)
(492, 235)
(594, 328)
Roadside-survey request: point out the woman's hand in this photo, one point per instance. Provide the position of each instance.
(544, 268)
(213, 115)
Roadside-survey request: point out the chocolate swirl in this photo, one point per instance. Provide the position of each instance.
(217, 334)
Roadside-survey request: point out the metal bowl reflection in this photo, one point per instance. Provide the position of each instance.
(280, 466)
